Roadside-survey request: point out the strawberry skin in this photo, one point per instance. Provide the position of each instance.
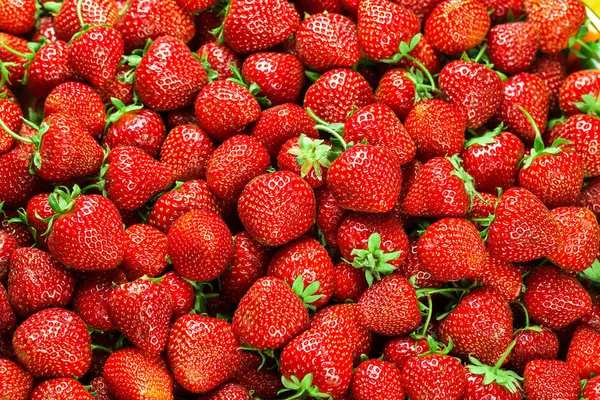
(93, 13)
(264, 381)
(550, 379)
(476, 389)
(552, 70)
(8, 244)
(584, 352)
(582, 130)
(401, 349)
(375, 379)
(10, 114)
(63, 388)
(576, 85)
(187, 149)
(413, 267)
(556, 21)
(15, 383)
(533, 344)
(18, 16)
(145, 252)
(396, 91)
(228, 391)
(8, 319)
(219, 58)
(512, 46)
(143, 128)
(434, 376)
(592, 389)
(502, 276)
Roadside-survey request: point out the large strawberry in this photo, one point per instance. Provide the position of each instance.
(512, 47)
(575, 86)
(533, 343)
(397, 90)
(15, 383)
(74, 13)
(186, 149)
(66, 388)
(555, 20)
(581, 238)
(550, 379)
(202, 352)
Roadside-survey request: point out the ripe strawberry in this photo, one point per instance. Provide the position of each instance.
(141, 310)
(522, 228)
(18, 17)
(582, 130)
(399, 350)
(32, 272)
(183, 294)
(499, 9)
(584, 352)
(397, 91)
(502, 276)
(279, 76)
(16, 63)
(99, 388)
(382, 26)
(228, 391)
(336, 93)
(53, 343)
(264, 381)
(191, 196)
(183, 116)
(269, 315)
(350, 282)
(169, 57)
(87, 231)
(202, 352)
(548, 379)
(120, 87)
(217, 58)
(455, 26)
(254, 25)
(90, 300)
(60, 388)
(10, 114)
(422, 55)
(131, 374)
(38, 206)
(7, 315)
(533, 343)
(552, 70)
(575, 86)
(269, 219)
(589, 196)
(8, 244)
(80, 102)
(412, 267)
(145, 252)
(554, 298)
(93, 13)
(200, 245)
(421, 9)
(318, 362)
(529, 92)
(475, 90)
(187, 149)
(329, 215)
(375, 379)
(44, 29)
(433, 376)
(512, 46)
(195, 5)
(17, 230)
(225, 108)
(15, 383)
(556, 21)
(581, 238)
(591, 391)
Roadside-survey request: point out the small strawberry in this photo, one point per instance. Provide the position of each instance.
(591, 391)
(581, 238)
(555, 20)
(182, 293)
(400, 349)
(550, 379)
(264, 381)
(99, 388)
(18, 17)
(350, 283)
(397, 91)
(512, 46)
(202, 352)
(582, 130)
(38, 210)
(60, 388)
(44, 29)
(575, 86)
(228, 391)
(376, 379)
(584, 352)
(53, 343)
(187, 149)
(533, 343)
(589, 196)
(15, 383)
(329, 215)
(75, 13)
(216, 58)
(145, 252)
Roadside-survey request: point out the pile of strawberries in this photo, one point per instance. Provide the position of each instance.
(331, 199)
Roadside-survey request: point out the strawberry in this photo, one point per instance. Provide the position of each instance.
(228, 391)
(133, 177)
(18, 17)
(480, 326)
(269, 219)
(421, 9)
(217, 58)
(141, 310)
(581, 238)
(254, 25)
(584, 351)
(187, 149)
(279, 76)
(120, 87)
(591, 391)
(10, 114)
(350, 282)
(80, 102)
(152, 19)
(317, 362)
(555, 20)
(16, 63)
(134, 126)
(38, 206)
(191, 196)
(390, 307)
(8, 319)
(60, 388)
(375, 379)
(522, 228)
(500, 9)
(87, 231)
(168, 57)
(264, 381)
(382, 26)
(326, 41)
(502, 276)
(269, 315)
(329, 215)
(512, 46)
(533, 343)
(575, 86)
(306, 157)
(32, 272)
(44, 29)
(554, 298)
(455, 26)
(183, 116)
(422, 57)
(552, 70)
(90, 300)
(550, 379)
(182, 293)
(475, 90)
(15, 228)
(67, 22)
(202, 352)
(131, 374)
(399, 350)
(278, 124)
(99, 388)
(529, 92)
(195, 5)
(412, 267)
(95, 54)
(225, 108)
(352, 176)
(582, 130)
(53, 343)
(210, 239)
(336, 93)
(233, 164)
(8, 244)
(589, 196)
(397, 91)
(145, 252)
(15, 383)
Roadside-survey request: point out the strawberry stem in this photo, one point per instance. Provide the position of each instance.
(506, 378)
(61, 201)
(334, 130)
(307, 294)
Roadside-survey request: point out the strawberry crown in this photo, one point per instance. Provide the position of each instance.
(374, 261)
(592, 273)
(254, 89)
(307, 294)
(588, 53)
(336, 131)
(61, 201)
(36, 140)
(506, 378)
(301, 389)
(468, 181)
(118, 110)
(485, 139)
(312, 154)
(590, 105)
(34, 47)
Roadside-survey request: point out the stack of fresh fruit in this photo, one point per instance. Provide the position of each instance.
(331, 199)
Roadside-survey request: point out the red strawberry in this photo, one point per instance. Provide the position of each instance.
(182, 293)
(17, 230)
(90, 300)
(591, 390)
(195, 5)
(581, 238)
(336, 93)
(399, 350)
(375, 379)
(556, 21)
(264, 381)
(512, 46)
(253, 25)
(187, 149)
(217, 58)
(317, 361)
(329, 215)
(455, 26)
(168, 76)
(200, 245)
(145, 251)
(502, 276)
(267, 217)
(202, 352)
(279, 76)
(38, 206)
(99, 388)
(269, 315)
(120, 87)
(421, 9)
(7, 315)
(433, 376)
(582, 130)
(10, 114)
(412, 267)
(15, 383)
(550, 379)
(53, 343)
(61, 388)
(552, 70)
(554, 298)
(575, 86)
(477, 389)
(141, 310)
(131, 374)
(533, 343)
(44, 29)
(32, 272)
(93, 13)
(16, 68)
(8, 244)
(584, 352)
(350, 282)
(589, 196)
(522, 228)
(326, 41)
(397, 91)
(228, 391)
(18, 17)
(500, 9)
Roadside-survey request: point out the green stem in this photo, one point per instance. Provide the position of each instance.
(429, 314)
(504, 356)
(424, 70)
(481, 53)
(101, 348)
(79, 13)
(13, 134)
(15, 52)
(530, 119)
